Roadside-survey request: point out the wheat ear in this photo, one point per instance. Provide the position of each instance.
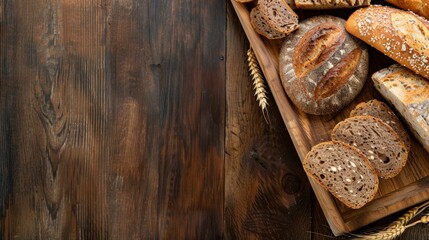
(396, 228)
(258, 83)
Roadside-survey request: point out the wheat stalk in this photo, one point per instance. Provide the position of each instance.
(396, 228)
(258, 83)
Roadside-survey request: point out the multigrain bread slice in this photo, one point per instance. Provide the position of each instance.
(409, 94)
(279, 15)
(261, 26)
(376, 140)
(343, 171)
(382, 111)
(330, 4)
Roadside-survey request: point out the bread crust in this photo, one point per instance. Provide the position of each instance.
(329, 4)
(399, 34)
(420, 7)
(322, 68)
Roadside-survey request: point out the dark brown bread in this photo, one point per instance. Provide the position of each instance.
(376, 140)
(321, 66)
(279, 15)
(380, 110)
(343, 171)
(330, 4)
(261, 26)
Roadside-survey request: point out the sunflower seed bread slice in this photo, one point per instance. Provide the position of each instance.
(279, 15)
(343, 171)
(376, 140)
(381, 110)
(409, 94)
(262, 27)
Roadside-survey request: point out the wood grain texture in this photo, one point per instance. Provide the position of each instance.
(112, 121)
(395, 194)
(267, 195)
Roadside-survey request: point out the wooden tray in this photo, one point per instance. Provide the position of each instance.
(410, 187)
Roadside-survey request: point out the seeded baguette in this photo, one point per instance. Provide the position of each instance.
(380, 110)
(343, 171)
(279, 15)
(376, 140)
(262, 27)
(420, 7)
(399, 34)
(330, 4)
(409, 94)
(322, 67)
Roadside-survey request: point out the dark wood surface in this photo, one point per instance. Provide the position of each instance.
(136, 120)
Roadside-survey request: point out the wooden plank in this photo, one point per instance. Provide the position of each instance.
(267, 194)
(308, 130)
(114, 121)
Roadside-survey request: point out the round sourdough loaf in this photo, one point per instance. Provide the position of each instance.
(321, 66)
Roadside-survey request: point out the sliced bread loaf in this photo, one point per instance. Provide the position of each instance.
(380, 110)
(376, 140)
(261, 26)
(409, 94)
(279, 15)
(343, 171)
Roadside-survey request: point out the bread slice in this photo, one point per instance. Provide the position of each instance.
(380, 110)
(279, 15)
(409, 94)
(244, 1)
(326, 4)
(261, 26)
(343, 171)
(376, 140)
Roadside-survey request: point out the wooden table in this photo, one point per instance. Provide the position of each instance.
(136, 120)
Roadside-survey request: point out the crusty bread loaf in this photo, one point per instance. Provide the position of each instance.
(421, 7)
(409, 94)
(279, 15)
(380, 110)
(330, 4)
(343, 171)
(261, 26)
(321, 66)
(401, 35)
(376, 140)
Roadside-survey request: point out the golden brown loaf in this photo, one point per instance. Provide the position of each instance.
(321, 66)
(401, 35)
(409, 93)
(421, 7)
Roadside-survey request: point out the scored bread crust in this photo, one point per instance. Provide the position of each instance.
(279, 15)
(325, 4)
(401, 35)
(320, 169)
(322, 68)
(262, 27)
(420, 7)
(409, 94)
(382, 111)
(387, 157)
